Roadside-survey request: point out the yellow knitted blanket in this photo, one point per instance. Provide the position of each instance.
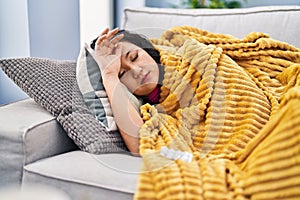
(233, 104)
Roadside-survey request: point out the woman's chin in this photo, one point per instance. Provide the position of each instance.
(145, 89)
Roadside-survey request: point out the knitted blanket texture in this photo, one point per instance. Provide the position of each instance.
(234, 105)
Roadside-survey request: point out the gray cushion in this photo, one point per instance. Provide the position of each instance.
(52, 84)
(87, 176)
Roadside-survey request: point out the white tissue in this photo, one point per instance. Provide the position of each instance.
(176, 154)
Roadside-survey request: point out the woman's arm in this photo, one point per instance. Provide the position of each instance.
(108, 56)
(127, 118)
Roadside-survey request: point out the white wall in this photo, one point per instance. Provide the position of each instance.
(95, 15)
(14, 31)
(54, 28)
(47, 28)
(121, 4)
(14, 42)
(36, 28)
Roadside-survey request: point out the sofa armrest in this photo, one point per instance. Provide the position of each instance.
(27, 127)
(28, 133)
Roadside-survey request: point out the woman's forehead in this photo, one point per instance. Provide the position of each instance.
(128, 46)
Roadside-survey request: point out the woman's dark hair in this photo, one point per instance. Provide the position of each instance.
(138, 40)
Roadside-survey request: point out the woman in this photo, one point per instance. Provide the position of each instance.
(127, 59)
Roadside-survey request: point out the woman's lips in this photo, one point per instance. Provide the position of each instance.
(145, 78)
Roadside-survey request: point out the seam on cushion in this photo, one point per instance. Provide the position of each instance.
(25, 134)
(208, 14)
(78, 181)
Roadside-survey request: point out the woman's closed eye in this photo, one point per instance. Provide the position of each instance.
(134, 56)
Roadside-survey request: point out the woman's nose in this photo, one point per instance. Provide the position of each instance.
(135, 70)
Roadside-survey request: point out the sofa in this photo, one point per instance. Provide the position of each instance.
(34, 148)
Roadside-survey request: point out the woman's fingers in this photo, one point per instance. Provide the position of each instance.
(107, 39)
(102, 36)
(105, 31)
(100, 39)
(117, 39)
(106, 34)
(112, 33)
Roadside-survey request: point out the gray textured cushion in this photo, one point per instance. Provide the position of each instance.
(52, 84)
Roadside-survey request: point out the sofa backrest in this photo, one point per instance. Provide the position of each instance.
(280, 22)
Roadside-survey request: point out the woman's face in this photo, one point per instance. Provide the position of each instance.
(139, 72)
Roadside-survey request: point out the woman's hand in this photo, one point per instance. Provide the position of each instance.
(108, 52)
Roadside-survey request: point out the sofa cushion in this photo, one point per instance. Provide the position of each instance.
(87, 176)
(52, 84)
(27, 133)
(280, 22)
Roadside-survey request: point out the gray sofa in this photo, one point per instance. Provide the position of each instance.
(34, 148)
